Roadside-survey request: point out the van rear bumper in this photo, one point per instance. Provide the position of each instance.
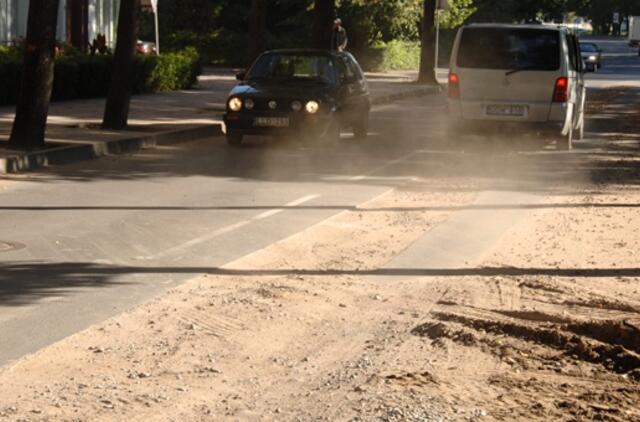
(505, 128)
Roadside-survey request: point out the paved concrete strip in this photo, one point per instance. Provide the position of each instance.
(227, 229)
(468, 234)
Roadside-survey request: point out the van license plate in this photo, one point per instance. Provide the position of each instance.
(271, 122)
(506, 110)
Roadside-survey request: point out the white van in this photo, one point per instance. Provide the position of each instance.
(517, 78)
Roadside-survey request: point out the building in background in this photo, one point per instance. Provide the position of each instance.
(79, 21)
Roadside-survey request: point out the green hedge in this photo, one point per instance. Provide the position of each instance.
(85, 76)
(394, 55)
(403, 55)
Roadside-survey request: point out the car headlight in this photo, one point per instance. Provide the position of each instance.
(296, 106)
(312, 107)
(235, 104)
(249, 104)
(592, 58)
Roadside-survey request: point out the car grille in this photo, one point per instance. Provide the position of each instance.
(263, 105)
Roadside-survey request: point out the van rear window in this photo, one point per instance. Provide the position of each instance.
(509, 48)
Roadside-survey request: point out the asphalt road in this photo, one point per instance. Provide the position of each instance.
(81, 243)
(621, 64)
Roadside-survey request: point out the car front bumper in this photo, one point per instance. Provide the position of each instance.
(300, 123)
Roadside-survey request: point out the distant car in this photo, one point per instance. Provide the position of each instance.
(516, 79)
(592, 55)
(145, 47)
(309, 93)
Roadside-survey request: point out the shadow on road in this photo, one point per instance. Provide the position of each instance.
(479, 207)
(28, 282)
(23, 283)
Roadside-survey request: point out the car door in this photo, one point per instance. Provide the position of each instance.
(361, 87)
(352, 89)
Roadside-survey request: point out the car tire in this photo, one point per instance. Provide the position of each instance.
(565, 142)
(361, 126)
(234, 139)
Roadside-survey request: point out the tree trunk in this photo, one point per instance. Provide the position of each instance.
(116, 111)
(324, 14)
(37, 76)
(427, 52)
(257, 28)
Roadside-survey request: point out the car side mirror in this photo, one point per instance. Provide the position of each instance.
(241, 75)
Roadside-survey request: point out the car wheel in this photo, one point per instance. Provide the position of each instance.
(361, 126)
(565, 142)
(234, 139)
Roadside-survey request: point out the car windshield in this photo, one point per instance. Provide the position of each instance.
(588, 48)
(509, 48)
(294, 67)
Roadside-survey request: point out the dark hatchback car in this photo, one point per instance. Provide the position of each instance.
(591, 55)
(309, 93)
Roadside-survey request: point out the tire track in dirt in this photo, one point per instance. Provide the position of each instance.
(594, 343)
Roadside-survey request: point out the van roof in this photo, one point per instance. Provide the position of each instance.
(544, 27)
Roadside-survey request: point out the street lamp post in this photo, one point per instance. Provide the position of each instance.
(154, 5)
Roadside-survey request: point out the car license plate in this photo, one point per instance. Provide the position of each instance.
(506, 110)
(271, 122)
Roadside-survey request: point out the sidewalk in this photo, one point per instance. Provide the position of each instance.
(73, 131)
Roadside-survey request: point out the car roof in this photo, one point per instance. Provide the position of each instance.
(543, 27)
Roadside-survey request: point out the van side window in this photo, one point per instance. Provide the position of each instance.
(573, 63)
(576, 43)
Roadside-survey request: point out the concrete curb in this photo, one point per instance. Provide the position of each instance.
(402, 95)
(91, 150)
(87, 151)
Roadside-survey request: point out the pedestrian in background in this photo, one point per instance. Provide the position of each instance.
(339, 36)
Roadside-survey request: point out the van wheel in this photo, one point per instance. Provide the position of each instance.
(565, 142)
(580, 130)
(234, 139)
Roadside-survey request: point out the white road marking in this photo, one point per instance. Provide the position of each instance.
(231, 227)
(382, 167)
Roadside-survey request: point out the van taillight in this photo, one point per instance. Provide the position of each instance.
(561, 91)
(454, 86)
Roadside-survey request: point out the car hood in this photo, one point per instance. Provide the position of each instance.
(290, 91)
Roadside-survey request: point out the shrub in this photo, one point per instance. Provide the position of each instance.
(84, 76)
(394, 55)
(10, 65)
